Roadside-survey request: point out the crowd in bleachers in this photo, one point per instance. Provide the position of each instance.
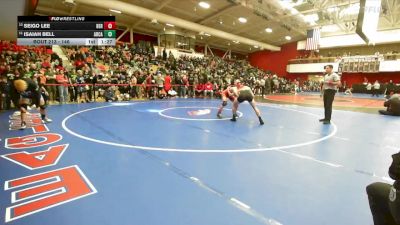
(127, 72)
(123, 72)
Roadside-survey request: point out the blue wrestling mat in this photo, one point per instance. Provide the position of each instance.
(174, 163)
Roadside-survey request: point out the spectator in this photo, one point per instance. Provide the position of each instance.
(82, 87)
(208, 89)
(109, 94)
(376, 88)
(165, 54)
(348, 91)
(185, 85)
(167, 85)
(262, 86)
(393, 106)
(191, 81)
(365, 82)
(369, 88)
(73, 89)
(134, 87)
(390, 88)
(268, 85)
(5, 100)
(384, 199)
(159, 82)
(199, 89)
(150, 86)
(62, 81)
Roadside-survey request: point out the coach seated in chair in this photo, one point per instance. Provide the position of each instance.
(384, 199)
(393, 106)
(109, 94)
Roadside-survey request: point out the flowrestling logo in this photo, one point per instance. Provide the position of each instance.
(41, 191)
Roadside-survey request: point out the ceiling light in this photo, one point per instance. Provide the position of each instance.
(268, 30)
(285, 4)
(236, 42)
(204, 5)
(170, 25)
(288, 38)
(116, 11)
(208, 35)
(294, 11)
(255, 46)
(242, 20)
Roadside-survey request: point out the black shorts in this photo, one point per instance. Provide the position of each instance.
(34, 97)
(245, 95)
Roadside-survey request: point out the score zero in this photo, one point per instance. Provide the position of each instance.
(100, 26)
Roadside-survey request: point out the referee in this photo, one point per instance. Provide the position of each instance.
(331, 83)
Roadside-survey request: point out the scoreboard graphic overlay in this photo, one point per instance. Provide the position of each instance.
(66, 30)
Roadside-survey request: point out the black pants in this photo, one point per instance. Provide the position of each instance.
(385, 210)
(329, 95)
(387, 112)
(5, 102)
(375, 92)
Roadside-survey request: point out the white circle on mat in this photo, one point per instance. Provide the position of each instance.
(260, 149)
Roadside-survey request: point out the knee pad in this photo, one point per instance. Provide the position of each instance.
(224, 103)
(43, 107)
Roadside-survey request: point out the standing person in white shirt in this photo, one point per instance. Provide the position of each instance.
(262, 85)
(376, 88)
(330, 85)
(369, 88)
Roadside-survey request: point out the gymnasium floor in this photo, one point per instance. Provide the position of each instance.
(357, 102)
(172, 162)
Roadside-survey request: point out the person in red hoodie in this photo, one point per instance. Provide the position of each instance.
(46, 64)
(63, 81)
(167, 83)
(208, 88)
(199, 89)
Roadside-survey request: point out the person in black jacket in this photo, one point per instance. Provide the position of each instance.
(5, 99)
(30, 94)
(393, 106)
(384, 199)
